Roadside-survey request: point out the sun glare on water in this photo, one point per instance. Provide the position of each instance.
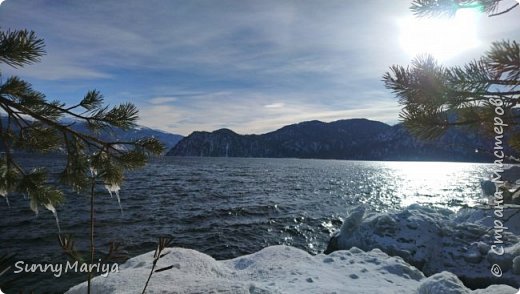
(443, 38)
(436, 183)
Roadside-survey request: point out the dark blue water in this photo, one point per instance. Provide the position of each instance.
(227, 207)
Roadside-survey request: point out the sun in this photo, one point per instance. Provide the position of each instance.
(443, 38)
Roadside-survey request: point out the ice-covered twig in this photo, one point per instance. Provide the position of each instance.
(3, 193)
(114, 188)
(52, 209)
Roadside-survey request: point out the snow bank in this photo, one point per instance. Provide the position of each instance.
(437, 240)
(277, 269)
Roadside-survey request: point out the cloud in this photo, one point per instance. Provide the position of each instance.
(162, 100)
(245, 112)
(270, 38)
(274, 105)
(59, 72)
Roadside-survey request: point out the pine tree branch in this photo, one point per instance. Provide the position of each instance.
(488, 94)
(449, 8)
(122, 116)
(502, 82)
(10, 162)
(9, 158)
(89, 140)
(86, 138)
(18, 48)
(504, 11)
(68, 111)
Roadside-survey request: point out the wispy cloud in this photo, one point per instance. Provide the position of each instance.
(246, 113)
(275, 105)
(162, 100)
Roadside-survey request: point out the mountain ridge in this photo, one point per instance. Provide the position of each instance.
(117, 134)
(355, 139)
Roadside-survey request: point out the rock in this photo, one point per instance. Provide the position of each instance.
(516, 265)
(445, 283)
(483, 247)
(504, 259)
(436, 240)
(473, 255)
(354, 219)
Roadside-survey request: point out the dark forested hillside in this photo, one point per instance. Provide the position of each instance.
(344, 139)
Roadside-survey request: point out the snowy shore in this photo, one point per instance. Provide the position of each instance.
(415, 250)
(436, 240)
(279, 269)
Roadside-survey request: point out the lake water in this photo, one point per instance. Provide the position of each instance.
(227, 207)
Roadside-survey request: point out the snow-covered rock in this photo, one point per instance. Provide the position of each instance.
(484, 216)
(448, 283)
(277, 269)
(436, 240)
(509, 188)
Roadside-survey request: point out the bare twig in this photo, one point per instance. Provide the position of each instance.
(163, 243)
(92, 245)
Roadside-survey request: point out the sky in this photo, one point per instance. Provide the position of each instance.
(250, 66)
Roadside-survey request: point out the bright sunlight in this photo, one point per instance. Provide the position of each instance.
(443, 38)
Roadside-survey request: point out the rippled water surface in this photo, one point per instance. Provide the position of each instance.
(228, 207)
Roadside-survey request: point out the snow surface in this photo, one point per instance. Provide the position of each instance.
(279, 269)
(437, 240)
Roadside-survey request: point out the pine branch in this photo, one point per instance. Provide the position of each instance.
(429, 8)
(116, 159)
(37, 127)
(18, 48)
(67, 244)
(504, 59)
(115, 254)
(428, 92)
(89, 140)
(92, 100)
(504, 11)
(448, 8)
(9, 175)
